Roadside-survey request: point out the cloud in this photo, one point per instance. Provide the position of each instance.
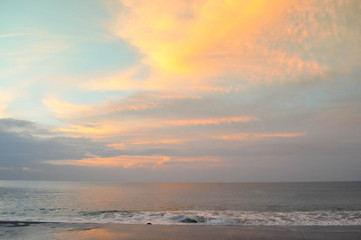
(6, 169)
(27, 169)
(210, 121)
(262, 90)
(29, 49)
(4, 99)
(137, 101)
(66, 110)
(195, 41)
(141, 112)
(280, 141)
(15, 125)
(107, 128)
(125, 80)
(9, 35)
(257, 136)
(7, 95)
(198, 44)
(26, 143)
(126, 161)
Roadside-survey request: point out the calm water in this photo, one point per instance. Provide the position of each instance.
(336, 203)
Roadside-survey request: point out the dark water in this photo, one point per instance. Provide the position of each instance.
(337, 203)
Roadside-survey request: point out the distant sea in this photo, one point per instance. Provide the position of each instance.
(296, 204)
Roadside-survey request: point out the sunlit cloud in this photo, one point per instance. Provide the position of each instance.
(195, 41)
(67, 110)
(142, 101)
(126, 161)
(157, 141)
(125, 80)
(109, 128)
(117, 161)
(117, 146)
(211, 121)
(3, 105)
(88, 130)
(27, 169)
(257, 136)
(6, 96)
(10, 35)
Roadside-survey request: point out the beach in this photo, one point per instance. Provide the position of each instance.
(39, 231)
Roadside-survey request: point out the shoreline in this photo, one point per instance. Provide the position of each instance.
(22, 222)
(46, 230)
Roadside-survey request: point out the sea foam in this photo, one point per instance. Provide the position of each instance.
(316, 218)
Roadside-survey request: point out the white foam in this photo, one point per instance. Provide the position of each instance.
(227, 217)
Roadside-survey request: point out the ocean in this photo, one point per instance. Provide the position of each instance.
(286, 204)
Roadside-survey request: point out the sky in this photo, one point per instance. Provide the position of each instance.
(180, 90)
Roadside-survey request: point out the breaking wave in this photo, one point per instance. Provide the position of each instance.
(226, 217)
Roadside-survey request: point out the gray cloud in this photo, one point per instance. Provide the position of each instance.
(327, 111)
(21, 145)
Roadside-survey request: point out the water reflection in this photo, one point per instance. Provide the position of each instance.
(96, 233)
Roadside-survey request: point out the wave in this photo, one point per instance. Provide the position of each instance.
(226, 217)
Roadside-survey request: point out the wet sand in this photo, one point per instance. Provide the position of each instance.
(38, 231)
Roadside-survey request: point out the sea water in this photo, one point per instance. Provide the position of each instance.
(297, 204)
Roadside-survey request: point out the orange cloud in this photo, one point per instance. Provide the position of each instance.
(93, 131)
(27, 169)
(210, 121)
(125, 80)
(154, 141)
(191, 41)
(257, 136)
(136, 102)
(134, 127)
(67, 110)
(126, 161)
(118, 146)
